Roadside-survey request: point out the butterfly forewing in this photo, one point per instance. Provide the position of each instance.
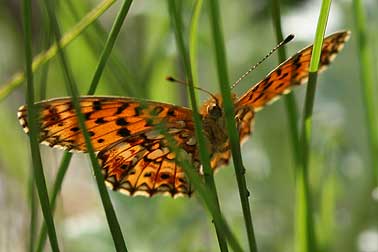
(108, 120)
(294, 71)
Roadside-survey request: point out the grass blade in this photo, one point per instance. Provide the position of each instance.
(203, 191)
(33, 213)
(72, 89)
(290, 102)
(94, 38)
(109, 44)
(43, 57)
(230, 122)
(204, 155)
(193, 39)
(99, 70)
(34, 130)
(63, 167)
(368, 89)
(42, 95)
(304, 230)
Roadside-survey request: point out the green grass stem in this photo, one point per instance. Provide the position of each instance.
(203, 191)
(62, 170)
(33, 213)
(99, 70)
(95, 39)
(305, 240)
(72, 90)
(193, 41)
(109, 44)
(204, 155)
(368, 87)
(230, 122)
(211, 204)
(38, 173)
(42, 95)
(290, 102)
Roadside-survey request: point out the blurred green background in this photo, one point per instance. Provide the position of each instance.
(341, 178)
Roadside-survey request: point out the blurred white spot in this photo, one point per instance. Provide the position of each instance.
(374, 194)
(330, 114)
(239, 49)
(86, 223)
(302, 20)
(270, 222)
(171, 50)
(368, 241)
(259, 165)
(352, 165)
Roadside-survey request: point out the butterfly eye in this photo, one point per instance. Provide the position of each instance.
(215, 111)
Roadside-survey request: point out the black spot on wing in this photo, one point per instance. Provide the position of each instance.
(121, 121)
(123, 132)
(157, 110)
(138, 111)
(258, 97)
(87, 115)
(278, 71)
(296, 61)
(267, 85)
(96, 105)
(100, 120)
(182, 180)
(121, 108)
(171, 112)
(74, 129)
(146, 159)
(283, 76)
(165, 176)
(279, 86)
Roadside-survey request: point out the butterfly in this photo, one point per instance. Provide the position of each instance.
(134, 155)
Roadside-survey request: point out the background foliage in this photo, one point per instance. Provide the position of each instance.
(145, 52)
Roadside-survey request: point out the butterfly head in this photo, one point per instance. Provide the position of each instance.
(213, 108)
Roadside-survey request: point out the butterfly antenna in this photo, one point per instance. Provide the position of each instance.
(283, 42)
(171, 79)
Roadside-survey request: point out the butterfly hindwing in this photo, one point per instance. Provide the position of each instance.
(142, 166)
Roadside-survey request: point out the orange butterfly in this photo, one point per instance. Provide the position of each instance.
(134, 155)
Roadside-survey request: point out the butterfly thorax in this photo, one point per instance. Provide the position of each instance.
(216, 133)
(214, 127)
(214, 124)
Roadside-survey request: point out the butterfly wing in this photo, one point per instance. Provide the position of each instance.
(144, 165)
(292, 72)
(108, 120)
(134, 155)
